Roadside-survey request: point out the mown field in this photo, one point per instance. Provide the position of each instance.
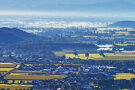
(7, 65)
(19, 81)
(127, 76)
(82, 56)
(18, 72)
(14, 86)
(124, 55)
(34, 77)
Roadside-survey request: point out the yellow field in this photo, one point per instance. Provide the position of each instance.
(124, 55)
(20, 73)
(19, 81)
(35, 77)
(28, 65)
(124, 44)
(127, 76)
(125, 33)
(14, 86)
(67, 64)
(59, 54)
(62, 53)
(8, 65)
(128, 52)
(82, 56)
(90, 36)
(28, 72)
(17, 66)
(118, 56)
(108, 56)
(6, 69)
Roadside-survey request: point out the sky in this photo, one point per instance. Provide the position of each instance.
(68, 7)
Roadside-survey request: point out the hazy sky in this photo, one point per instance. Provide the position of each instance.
(64, 7)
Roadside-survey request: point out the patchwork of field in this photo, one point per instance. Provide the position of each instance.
(14, 86)
(7, 67)
(34, 77)
(127, 76)
(18, 79)
(124, 55)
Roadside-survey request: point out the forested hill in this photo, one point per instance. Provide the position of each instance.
(130, 24)
(13, 35)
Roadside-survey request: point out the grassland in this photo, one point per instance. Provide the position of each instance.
(127, 76)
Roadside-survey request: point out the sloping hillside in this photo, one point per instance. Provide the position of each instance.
(130, 24)
(13, 35)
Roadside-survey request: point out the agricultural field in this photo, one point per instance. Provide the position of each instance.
(82, 56)
(127, 76)
(34, 77)
(62, 53)
(27, 72)
(14, 86)
(118, 56)
(130, 52)
(7, 65)
(124, 55)
(19, 81)
(124, 44)
(6, 69)
(67, 64)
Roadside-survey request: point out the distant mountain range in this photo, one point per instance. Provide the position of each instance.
(13, 35)
(130, 24)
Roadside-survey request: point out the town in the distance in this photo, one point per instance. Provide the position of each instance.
(67, 53)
